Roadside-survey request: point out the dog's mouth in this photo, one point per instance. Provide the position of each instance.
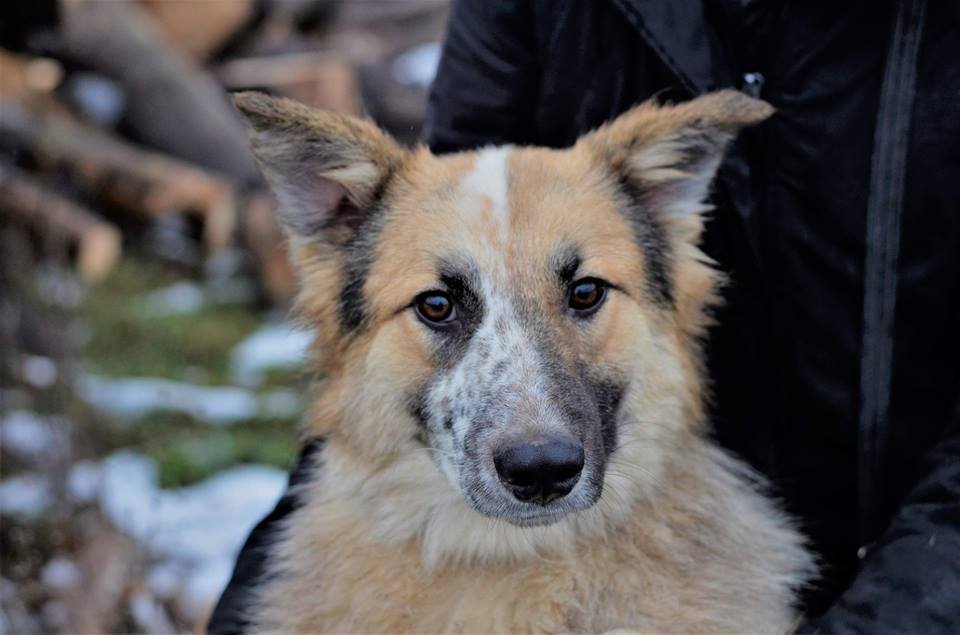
(500, 505)
(545, 516)
(537, 520)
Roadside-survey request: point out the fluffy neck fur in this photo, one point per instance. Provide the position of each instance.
(387, 549)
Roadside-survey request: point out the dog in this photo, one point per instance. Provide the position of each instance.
(513, 396)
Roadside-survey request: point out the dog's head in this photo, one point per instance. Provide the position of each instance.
(528, 316)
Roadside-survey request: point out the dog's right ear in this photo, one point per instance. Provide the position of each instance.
(325, 169)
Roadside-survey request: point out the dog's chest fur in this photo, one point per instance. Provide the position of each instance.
(709, 555)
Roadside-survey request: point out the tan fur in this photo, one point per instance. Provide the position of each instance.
(681, 539)
(697, 559)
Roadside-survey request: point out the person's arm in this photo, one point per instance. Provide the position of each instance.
(910, 580)
(486, 87)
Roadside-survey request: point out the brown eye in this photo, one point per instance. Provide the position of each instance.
(586, 295)
(435, 308)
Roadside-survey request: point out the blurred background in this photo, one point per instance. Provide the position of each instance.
(151, 383)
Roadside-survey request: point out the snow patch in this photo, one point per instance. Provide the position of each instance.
(186, 297)
(38, 371)
(273, 346)
(204, 585)
(166, 578)
(60, 574)
(418, 66)
(197, 530)
(133, 397)
(149, 615)
(128, 487)
(83, 482)
(27, 495)
(30, 434)
(177, 299)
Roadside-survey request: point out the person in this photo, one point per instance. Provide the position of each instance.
(836, 359)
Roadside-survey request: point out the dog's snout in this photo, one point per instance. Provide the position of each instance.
(539, 470)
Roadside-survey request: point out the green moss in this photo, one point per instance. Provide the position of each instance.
(191, 457)
(285, 378)
(170, 346)
(188, 451)
(125, 341)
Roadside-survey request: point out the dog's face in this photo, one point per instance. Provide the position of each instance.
(526, 318)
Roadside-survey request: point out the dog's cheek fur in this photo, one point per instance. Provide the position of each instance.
(395, 367)
(635, 355)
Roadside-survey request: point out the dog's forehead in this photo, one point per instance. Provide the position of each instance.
(507, 206)
(482, 194)
(505, 213)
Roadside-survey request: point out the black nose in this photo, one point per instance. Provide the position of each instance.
(539, 470)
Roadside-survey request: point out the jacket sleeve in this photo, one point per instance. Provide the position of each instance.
(910, 579)
(485, 90)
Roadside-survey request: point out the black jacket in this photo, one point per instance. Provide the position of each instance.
(836, 364)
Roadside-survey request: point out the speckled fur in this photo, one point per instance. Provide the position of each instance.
(402, 527)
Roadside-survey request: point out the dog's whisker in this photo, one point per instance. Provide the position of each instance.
(635, 479)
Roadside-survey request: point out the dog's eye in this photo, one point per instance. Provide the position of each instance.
(435, 308)
(586, 295)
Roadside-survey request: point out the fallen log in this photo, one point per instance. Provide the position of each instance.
(22, 78)
(391, 12)
(200, 28)
(171, 104)
(121, 174)
(318, 79)
(49, 215)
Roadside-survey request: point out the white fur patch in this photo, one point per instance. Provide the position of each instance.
(500, 374)
(486, 185)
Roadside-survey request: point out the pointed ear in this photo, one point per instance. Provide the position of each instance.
(325, 169)
(665, 158)
(668, 155)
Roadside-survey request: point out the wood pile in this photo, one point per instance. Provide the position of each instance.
(95, 242)
(118, 138)
(117, 114)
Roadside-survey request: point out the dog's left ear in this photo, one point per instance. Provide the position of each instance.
(326, 169)
(667, 156)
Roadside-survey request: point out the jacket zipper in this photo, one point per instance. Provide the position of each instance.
(884, 210)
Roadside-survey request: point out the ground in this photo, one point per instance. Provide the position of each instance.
(157, 436)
